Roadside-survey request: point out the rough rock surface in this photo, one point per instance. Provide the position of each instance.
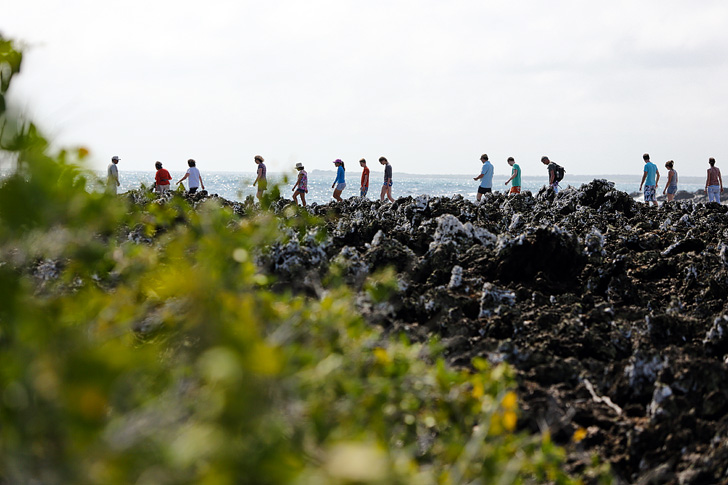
(614, 314)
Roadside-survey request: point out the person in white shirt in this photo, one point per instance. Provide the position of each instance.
(112, 175)
(195, 178)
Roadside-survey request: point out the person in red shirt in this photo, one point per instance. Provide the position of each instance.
(161, 179)
(364, 178)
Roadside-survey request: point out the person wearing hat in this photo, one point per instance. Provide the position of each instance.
(340, 182)
(112, 175)
(161, 179)
(261, 180)
(300, 189)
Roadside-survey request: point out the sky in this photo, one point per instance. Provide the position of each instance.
(430, 84)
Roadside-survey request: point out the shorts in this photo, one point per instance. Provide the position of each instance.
(300, 191)
(192, 190)
(340, 187)
(387, 184)
(672, 189)
(363, 191)
(650, 193)
(262, 185)
(485, 190)
(162, 189)
(515, 190)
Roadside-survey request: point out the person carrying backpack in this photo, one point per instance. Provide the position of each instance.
(556, 173)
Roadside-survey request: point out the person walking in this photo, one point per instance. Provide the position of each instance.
(387, 186)
(650, 179)
(515, 176)
(261, 180)
(340, 182)
(300, 188)
(671, 185)
(112, 175)
(714, 182)
(161, 179)
(556, 173)
(195, 179)
(485, 177)
(364, 178)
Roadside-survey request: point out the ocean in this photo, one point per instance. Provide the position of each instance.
(238, 185)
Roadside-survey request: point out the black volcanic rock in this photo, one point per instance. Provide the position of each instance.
(613, 314)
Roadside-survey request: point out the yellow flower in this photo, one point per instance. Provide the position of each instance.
(579, 435)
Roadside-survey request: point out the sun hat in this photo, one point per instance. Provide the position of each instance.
(115, 158)
(299, 166)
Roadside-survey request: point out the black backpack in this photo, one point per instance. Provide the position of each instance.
(559, 172)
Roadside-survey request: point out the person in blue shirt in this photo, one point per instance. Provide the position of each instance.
(650, 179)
(340, 182)
(485, 177)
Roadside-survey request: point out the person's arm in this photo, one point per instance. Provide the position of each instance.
(720, 180)
(366, 180)
(514, 172)
(707, 181)
(258, 177)
(644, 176)
(201, 183)
(657, 180)
(184, 178)
(478, 177)
(298, 181)
(669, 178)
(552, 176)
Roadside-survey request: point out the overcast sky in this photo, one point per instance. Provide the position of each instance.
(430, 84)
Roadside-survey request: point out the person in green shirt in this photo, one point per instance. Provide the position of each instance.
(515, 176)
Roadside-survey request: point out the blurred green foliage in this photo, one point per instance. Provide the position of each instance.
(140, 343)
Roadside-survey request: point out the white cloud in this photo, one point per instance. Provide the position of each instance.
(430, 84)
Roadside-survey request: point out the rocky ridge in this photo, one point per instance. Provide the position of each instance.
(614, 314)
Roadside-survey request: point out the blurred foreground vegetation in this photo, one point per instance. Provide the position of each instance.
(166, 358)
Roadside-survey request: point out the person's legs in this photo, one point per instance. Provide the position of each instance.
(192, 190)
(389, 193)
(337, 195)
(303, 198)
(714, 193)
(384, 193)
(295, 197)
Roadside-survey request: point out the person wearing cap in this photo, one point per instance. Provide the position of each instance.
(161, 179)
(364, 178)
(300, 188)
(340, 182)
(112, 175)
(387, 186)
(194, 175)
(485, 177)
(261, 180)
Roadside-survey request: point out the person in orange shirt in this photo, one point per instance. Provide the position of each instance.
(161, 179)
(364, 178)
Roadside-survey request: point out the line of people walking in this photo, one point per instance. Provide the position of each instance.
(300, 187)
(651, 179)
(162, 177)
(648, 185)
